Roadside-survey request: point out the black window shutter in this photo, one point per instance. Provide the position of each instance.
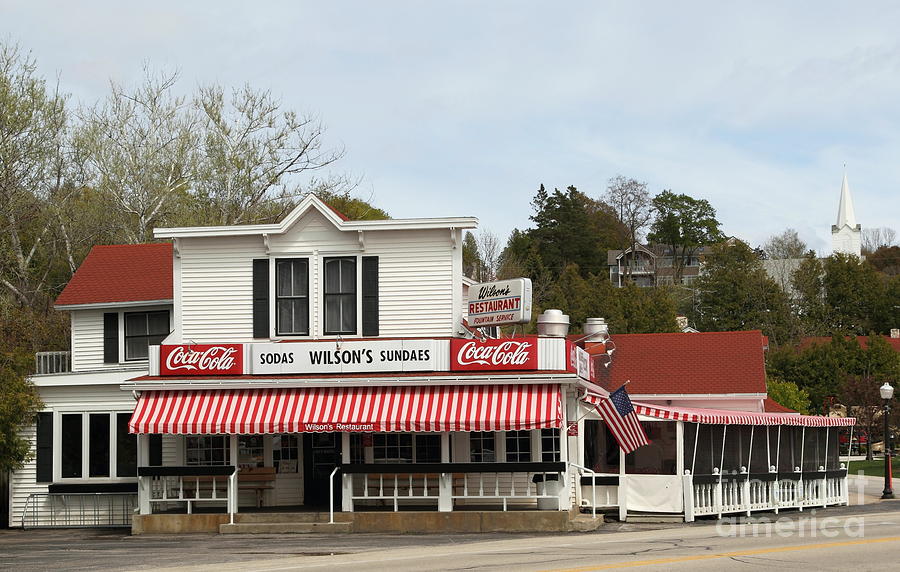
(111, 337)
(261, 298)
(369, 295)
(44, 448)
(155, 458)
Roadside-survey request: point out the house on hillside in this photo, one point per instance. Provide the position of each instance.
(322, 369)
(650, 266)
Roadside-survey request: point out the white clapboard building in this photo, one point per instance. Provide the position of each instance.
(324, 371)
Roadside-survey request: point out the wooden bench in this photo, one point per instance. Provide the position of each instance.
(258, 479)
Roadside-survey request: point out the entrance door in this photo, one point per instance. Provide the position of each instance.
(321, 454)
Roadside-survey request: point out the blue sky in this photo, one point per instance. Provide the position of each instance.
(465, 108)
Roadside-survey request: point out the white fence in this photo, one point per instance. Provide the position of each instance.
(450, 485)
(744, 493)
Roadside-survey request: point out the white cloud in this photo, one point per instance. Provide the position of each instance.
(466, 107)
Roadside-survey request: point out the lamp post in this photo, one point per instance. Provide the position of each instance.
(887, 393)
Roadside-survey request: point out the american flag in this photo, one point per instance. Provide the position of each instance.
(622, 420)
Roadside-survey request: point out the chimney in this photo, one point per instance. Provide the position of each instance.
(596, 330)
(895, 333)
(553, 324)
(681, 321)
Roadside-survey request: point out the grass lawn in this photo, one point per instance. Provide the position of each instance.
(875, 468)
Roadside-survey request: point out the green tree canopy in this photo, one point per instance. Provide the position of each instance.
(683, 224)
(19, 402)
(788, 394)
(735, 293)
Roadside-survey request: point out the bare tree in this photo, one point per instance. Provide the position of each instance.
(256, 157)
(785, 245)
(489, 250)
(784, 253)
(634, 208)
(33, 174)
(140, 146)
(875, 238)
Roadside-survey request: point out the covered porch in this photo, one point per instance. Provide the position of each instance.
(432, 448)
(705, 462)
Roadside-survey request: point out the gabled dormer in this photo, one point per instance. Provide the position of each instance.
(317, 275)
(120, 303)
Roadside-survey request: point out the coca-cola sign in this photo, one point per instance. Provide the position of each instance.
(201, 359)
(503, 354)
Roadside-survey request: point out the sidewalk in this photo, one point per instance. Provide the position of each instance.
(865, 489)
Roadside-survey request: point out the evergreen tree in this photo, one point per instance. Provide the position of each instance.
(735, 293)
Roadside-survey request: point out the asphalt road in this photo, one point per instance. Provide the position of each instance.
(864, 536)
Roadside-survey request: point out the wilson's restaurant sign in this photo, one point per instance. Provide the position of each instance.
(498, 303)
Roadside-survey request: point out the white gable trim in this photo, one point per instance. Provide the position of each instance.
(313, 202)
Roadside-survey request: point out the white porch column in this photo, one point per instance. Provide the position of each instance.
(687, 479)
(445, 484)
(565, 501)
(623, 488)
(679, 447)
(346, 480)
(233, 488)
(143, 459)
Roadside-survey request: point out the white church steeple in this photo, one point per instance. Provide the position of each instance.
(846, 235)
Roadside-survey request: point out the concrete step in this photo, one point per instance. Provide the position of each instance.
(585, 523)
(655, 518)
(284, 528)
(289, 517)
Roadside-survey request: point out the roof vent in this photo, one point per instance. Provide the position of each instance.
(553, 323)
(596, 330)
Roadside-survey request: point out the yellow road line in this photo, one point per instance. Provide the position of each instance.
(727, 554)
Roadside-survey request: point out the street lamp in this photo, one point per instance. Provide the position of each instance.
(887, 393)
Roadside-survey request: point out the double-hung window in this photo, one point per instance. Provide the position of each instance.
(292, 296)
(340, 296)
(142, 330)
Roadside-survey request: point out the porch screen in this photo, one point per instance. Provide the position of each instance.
(354, 409)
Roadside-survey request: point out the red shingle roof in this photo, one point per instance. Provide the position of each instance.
(772, 406)
(121, 273)
(692, 363)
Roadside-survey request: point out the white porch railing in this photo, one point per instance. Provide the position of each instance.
(52, 362)
(188, 485)
(78, 510)
(744, 493)
(449, 484)
(603, 488)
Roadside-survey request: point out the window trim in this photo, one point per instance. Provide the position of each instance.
(275, 323)
(356, 294)
(85, 447)
(123, 335)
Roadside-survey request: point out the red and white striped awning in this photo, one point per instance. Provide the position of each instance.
(355, 409)
(724, 416)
